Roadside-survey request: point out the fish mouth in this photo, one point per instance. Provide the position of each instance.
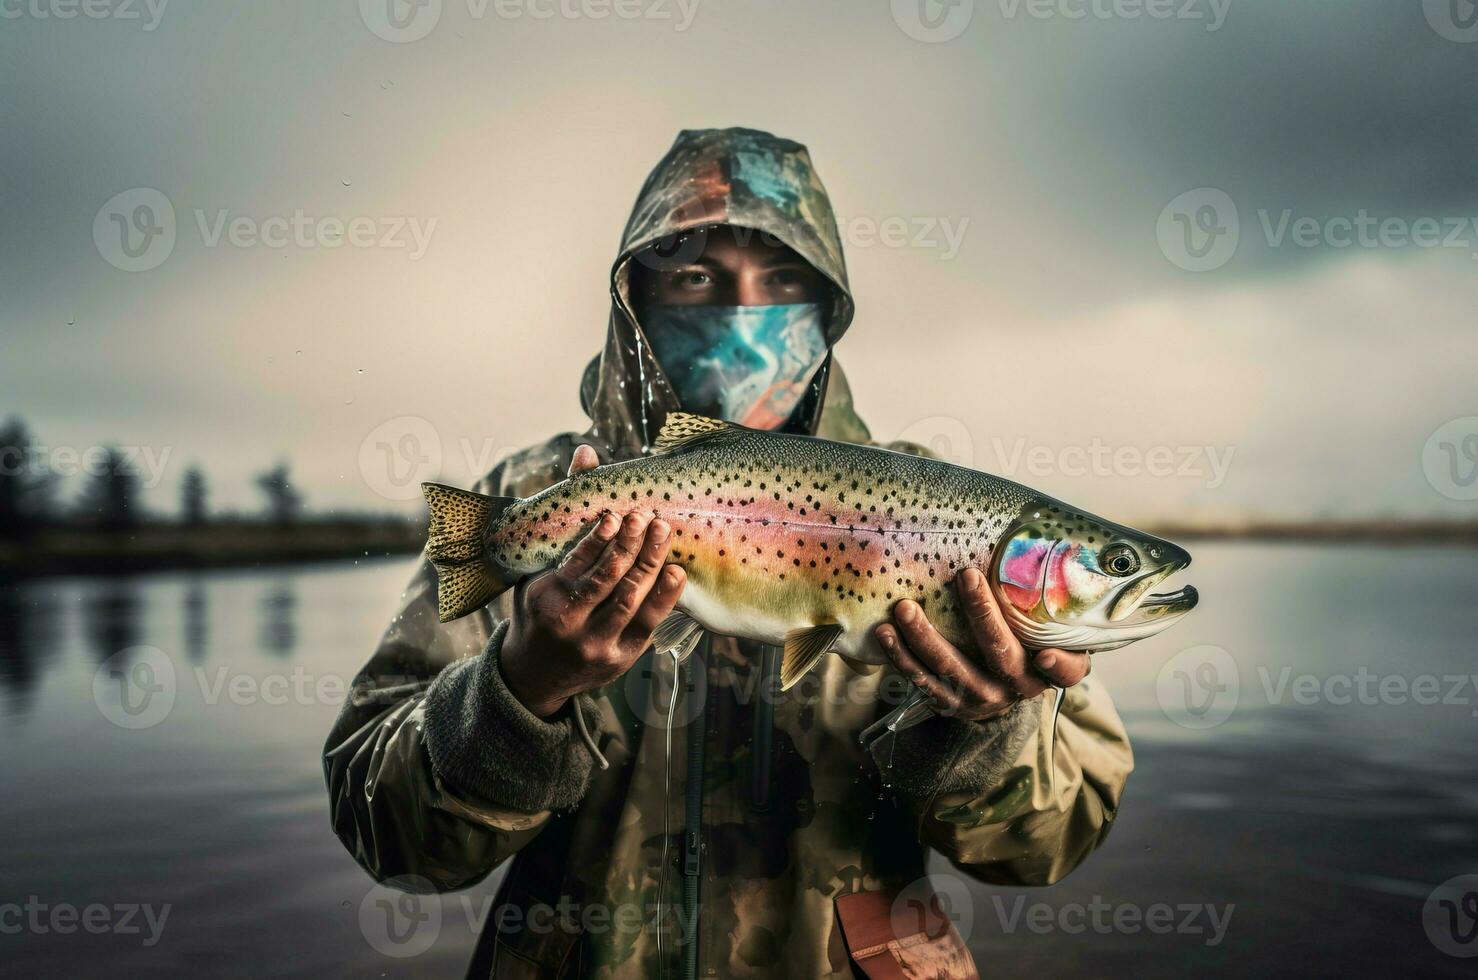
(1136, 597)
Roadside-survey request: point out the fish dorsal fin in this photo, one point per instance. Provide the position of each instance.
(678, 635)
(803, 648)
(685, 429)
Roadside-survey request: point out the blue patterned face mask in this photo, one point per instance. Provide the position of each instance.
(745, 364)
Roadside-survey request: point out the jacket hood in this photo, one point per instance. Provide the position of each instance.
(739, 177)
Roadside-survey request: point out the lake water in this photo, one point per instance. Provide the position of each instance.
(1298, 797)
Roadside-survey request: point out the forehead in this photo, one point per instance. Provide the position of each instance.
(729, 246)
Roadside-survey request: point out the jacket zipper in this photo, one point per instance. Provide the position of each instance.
(693, 822)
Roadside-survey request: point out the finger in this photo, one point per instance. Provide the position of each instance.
(629, 593)
(940, 656)
(658, 605)
(1000, 652)
(595, 585)
(584, 554)
(584, 459)
(1062, 667)
(947, 700)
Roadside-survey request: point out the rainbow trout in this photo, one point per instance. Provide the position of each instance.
(807, 544)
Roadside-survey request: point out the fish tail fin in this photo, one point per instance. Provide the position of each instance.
(457, 547)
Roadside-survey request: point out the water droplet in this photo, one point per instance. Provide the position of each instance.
(298, 352)
(71, 321)
(360, 371)
(346, 181)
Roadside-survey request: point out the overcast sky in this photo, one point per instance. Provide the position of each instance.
(1038, 294)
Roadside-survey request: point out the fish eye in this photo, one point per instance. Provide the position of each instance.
(1120, 560)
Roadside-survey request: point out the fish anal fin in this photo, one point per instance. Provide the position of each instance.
(684, 429)
(803, 648)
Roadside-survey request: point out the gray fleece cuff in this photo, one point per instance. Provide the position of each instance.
(484, 742)
(948, 755)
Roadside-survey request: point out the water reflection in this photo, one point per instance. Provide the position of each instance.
(279, 610)
(28, 639)
(196, 614)
(112, 618)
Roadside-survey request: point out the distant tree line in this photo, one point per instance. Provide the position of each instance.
(110, 499)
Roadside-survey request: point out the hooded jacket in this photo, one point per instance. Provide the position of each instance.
(753, 836)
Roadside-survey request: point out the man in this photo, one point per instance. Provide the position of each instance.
(753, 835)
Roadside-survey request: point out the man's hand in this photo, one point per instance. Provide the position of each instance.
(974, 689)
(584, 622)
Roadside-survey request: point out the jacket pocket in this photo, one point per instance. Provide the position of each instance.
(916, 943)
(534, 944)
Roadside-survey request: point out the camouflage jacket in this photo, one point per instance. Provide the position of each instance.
(759, 811)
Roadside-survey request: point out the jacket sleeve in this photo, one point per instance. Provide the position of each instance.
(433, 768)
(993, 799)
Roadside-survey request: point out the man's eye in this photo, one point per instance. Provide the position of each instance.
(694, 279)
(785, 277)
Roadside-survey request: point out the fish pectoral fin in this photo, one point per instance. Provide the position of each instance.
(803, 648)
(677, 635)
(685, 429)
